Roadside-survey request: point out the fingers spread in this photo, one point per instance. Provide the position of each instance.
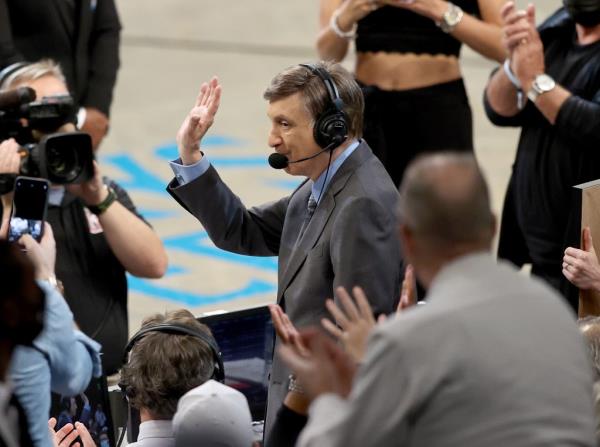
(363, 304)
(332, 328)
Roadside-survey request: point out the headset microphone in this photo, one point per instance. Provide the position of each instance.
(279, 161)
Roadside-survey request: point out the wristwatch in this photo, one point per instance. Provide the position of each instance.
(450, 18)
(541, 84)
(103, 206)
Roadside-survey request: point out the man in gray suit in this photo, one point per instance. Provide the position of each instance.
(494, 359)
(336, 229)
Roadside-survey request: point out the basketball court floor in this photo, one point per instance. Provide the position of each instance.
(168, 49)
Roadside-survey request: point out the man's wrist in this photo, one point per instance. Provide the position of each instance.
(190, 156)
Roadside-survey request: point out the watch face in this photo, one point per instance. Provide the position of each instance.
(545, 83)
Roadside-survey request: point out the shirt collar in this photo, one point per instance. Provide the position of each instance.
(320, 185)
(156, 429)
(463, 266)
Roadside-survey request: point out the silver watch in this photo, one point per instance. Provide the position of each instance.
(450, 18)
(541, 84)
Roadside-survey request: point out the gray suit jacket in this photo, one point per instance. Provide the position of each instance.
(350, 240)
(494, 359)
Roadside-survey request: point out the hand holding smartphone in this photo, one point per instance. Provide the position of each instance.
(30, 203)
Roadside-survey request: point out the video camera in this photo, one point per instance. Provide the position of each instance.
(59, 157)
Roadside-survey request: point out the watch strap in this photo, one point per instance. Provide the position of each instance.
(103, 206)
(451, 18)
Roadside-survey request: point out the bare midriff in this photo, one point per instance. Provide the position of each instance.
(404, 71)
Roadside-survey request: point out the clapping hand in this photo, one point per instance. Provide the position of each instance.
(198, 121)
(67, 434)
(523, 44)
(355, 319)
(433, 9)
(322, 368)
(284, 328)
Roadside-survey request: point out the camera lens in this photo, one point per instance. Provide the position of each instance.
(63, 163)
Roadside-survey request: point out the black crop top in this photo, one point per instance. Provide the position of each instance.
(398, 30)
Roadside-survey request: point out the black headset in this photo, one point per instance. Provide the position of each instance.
(331, 126)
(180, 329)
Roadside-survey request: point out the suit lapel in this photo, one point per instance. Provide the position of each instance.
(321, 217)
(67, 17)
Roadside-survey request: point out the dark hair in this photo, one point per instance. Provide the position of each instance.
(445, 199)
(163, 366)
(300, 79)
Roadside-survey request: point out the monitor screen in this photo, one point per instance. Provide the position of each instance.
(91, 408)
(246, 338)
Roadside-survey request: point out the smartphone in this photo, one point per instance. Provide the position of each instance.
(30, 203)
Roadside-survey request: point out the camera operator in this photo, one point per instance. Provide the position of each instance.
(61, 358)
(99, 235)
(82, 35)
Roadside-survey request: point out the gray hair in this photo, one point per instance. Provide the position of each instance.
(31, 72)
(590, 327)
(300, 79)
(445, 199)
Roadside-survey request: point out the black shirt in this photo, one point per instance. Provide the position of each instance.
(551, 159)
(95, 281)
(393, 29)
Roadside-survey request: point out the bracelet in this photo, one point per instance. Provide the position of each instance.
(333, 24)
(103, 206)
(294, 386)
(514, 81)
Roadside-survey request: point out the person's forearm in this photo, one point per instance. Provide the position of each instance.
(551, 102)
(501, 95)
(330, 46)
(484, 38)
(133, 242)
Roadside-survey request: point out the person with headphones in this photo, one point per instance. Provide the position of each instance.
(170, 355)
(337, 228)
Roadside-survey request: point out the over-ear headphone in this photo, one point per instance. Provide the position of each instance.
(180, 329)
(331, 126)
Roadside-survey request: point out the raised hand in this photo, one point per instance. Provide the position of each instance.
(581, 267)
(198, 121)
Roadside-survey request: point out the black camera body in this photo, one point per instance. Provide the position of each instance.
(59, 157)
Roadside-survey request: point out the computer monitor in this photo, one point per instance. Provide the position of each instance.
(245, 338)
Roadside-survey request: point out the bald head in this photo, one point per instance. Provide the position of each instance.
(445, 201)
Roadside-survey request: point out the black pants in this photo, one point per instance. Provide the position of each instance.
(400, 125)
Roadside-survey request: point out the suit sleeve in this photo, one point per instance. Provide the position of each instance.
(104, 56)
(373, 414)
(363, 239)
(230, 225)
(8, 52)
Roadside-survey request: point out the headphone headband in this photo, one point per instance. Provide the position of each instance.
(180, 329)
(331, 127)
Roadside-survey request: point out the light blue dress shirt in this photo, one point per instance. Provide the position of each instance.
(188, 173)
(63, 360)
